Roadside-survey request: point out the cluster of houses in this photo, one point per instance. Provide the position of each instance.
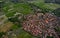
(40, 24)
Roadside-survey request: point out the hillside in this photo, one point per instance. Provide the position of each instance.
(13, 12)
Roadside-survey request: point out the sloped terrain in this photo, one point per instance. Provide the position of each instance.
(13, 9)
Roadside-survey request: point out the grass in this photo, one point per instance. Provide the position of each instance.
(14, 27)
(24, 34)
(44, 6)
(11, 9)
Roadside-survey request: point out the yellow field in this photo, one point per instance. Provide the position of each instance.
(6, 27)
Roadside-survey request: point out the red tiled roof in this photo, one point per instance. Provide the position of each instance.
(41, 24)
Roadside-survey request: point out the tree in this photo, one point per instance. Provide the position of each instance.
(1, 34)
